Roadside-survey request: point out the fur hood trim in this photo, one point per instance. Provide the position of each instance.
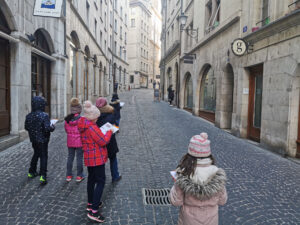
(106, 109)
(203, 190)
(115, 102)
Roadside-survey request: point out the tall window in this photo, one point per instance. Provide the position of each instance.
(111, 18)
(116, 25)
(95, 29)
(87, 13)
(208, 91)
(121, 12)
(121, 30)
(100, 38)
(105, 20)
(116, 4)
(125, 19)
(265, 12)
(132, 22)
(101, 8)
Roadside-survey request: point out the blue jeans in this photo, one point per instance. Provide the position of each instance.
(96, 178)
(118, 122)
(114, 168)
(71, 156)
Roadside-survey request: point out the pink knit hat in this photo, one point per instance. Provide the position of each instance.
(91, 112)
(199, 146)
(101, 102)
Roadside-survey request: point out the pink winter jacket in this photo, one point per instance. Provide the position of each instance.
(200, 196)
(73, 135)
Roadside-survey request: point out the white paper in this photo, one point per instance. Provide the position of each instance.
(108, 126)
(53, 122)
(173, 174)
(122, 104)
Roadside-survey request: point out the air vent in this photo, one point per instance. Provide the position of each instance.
(156, 196)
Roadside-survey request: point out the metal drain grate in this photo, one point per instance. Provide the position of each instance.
(156, 196)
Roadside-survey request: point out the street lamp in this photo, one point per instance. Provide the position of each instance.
(182, 19)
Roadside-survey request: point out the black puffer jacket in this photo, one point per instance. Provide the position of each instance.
(112, 147)
(37, 122)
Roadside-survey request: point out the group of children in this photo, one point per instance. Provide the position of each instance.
(85, 139)
(199, 187)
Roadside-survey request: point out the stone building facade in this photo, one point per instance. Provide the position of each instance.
(81, 54)
(155, 44)
(32, 62)
(255, 95)
(170, 47)
(138, 43)
(97, 48)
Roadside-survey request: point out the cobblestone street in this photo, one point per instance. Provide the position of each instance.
(263, 188)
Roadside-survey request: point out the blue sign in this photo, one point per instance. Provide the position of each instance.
(48, 4)
(245, 28)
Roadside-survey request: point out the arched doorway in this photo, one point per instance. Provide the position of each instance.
(227, 97)
(41, 69)
(177, 88)
(120, 78)
(188, 93)
(4, 79)
(101, 79)
(95, 73)
(87, 56)
(75, 46)
(208, 95)
(105, 80)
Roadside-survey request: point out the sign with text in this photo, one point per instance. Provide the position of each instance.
(239, 47)
(188, 59)
(48, 8)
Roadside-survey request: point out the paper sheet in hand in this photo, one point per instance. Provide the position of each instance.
(174, 175)
(122, 104)
(53, 121)
(108, 126)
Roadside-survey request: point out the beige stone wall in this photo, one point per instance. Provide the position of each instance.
(275, 45)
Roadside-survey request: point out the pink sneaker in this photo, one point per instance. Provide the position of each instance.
(79, 179)
(69, 178)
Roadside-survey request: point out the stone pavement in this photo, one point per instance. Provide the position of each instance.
(263, 188)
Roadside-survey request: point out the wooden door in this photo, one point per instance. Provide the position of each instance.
(298, 139)
(4, 88)
(255, 102)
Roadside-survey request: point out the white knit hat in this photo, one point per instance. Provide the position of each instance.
(199, 146)
(91, 112)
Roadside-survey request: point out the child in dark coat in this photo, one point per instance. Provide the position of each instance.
(37, 124)
(115, 102)
(95, 156)
(107, 115)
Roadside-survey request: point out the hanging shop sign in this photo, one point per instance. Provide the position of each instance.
(48, 8)
(239, 47)
(188, 59)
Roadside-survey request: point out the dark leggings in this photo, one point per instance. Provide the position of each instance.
(95, 185)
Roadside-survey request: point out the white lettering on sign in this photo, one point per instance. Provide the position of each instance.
(245, 91)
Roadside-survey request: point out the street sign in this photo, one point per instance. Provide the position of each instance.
(48, 8)
(188, 59)
(239, 47)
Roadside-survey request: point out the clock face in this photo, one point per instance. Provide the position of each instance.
(239, 47)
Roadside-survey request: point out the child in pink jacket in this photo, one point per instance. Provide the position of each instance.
(74, 141)
(200, 185)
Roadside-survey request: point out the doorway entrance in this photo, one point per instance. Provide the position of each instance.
(255, 102)
(4, 79)
(4, 88)
(188, 95)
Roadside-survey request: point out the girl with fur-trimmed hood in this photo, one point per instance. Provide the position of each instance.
(200, 186)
